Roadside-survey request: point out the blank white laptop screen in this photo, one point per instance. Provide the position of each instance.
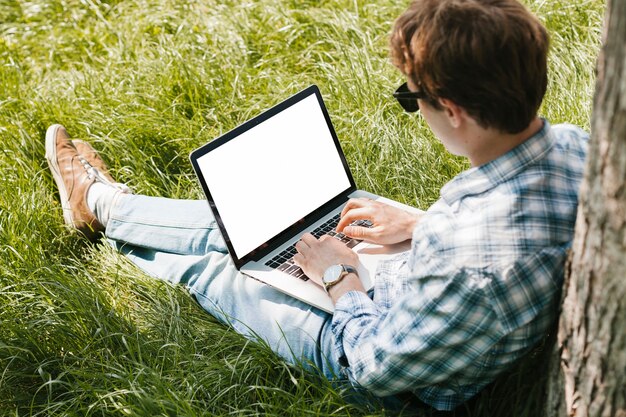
(274, 174)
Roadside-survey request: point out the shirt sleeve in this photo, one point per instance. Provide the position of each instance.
(424, 338)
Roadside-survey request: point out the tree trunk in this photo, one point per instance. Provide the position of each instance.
(590, 377)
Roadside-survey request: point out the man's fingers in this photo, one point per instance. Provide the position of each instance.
(302, 244)
(362, 213)
(355, 203)
(351, 204)
(298, 259)
(358, 232)
(308, 239)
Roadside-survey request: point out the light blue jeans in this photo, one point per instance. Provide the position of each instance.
(178, 241)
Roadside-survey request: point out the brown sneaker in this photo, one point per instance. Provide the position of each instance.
(91, 155)
(73, 175)
(102, 172)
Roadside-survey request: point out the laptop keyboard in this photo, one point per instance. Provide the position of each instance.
(284, 260)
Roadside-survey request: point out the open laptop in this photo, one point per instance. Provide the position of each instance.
(275, 177)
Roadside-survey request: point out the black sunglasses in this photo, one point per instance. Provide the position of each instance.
(408, 98)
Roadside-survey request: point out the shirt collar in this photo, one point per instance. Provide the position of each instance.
(479, 179)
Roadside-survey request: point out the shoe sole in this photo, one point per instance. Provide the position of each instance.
(51, 157)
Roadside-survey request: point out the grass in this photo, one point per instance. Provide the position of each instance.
(83, 332)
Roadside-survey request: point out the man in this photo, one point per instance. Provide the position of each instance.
(478, 288)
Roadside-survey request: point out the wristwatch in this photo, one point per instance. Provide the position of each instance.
(336, 273)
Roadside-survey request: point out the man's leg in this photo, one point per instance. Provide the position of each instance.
(178, 241)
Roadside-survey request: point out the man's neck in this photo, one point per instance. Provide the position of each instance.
(492, 143)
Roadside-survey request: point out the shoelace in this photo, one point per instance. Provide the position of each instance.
(93, 172)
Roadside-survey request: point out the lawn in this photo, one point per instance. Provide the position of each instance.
(85, 333)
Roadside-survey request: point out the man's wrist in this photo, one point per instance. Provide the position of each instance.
(350, 282)
(412, 222)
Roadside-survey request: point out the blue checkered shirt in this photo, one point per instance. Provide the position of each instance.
(479, 287)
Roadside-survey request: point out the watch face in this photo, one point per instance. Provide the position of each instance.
(332, 273)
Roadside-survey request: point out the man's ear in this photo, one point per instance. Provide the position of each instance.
(454, 112)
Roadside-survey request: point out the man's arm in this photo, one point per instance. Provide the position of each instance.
(419, 342)
(436, 326)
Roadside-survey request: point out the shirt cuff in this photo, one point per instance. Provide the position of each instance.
(353, 305)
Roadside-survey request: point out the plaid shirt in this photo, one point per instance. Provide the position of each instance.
(479, 287)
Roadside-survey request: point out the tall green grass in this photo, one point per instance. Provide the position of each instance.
(83, 332)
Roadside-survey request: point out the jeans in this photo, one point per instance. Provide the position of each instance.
(179, 241)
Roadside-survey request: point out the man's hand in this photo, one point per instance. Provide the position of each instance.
(390, 224)
(315, 256)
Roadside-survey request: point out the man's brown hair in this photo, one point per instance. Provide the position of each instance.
(487, 56)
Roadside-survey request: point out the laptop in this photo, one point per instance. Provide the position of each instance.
(275, 177)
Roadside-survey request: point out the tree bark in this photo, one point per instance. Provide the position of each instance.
(590, 377)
